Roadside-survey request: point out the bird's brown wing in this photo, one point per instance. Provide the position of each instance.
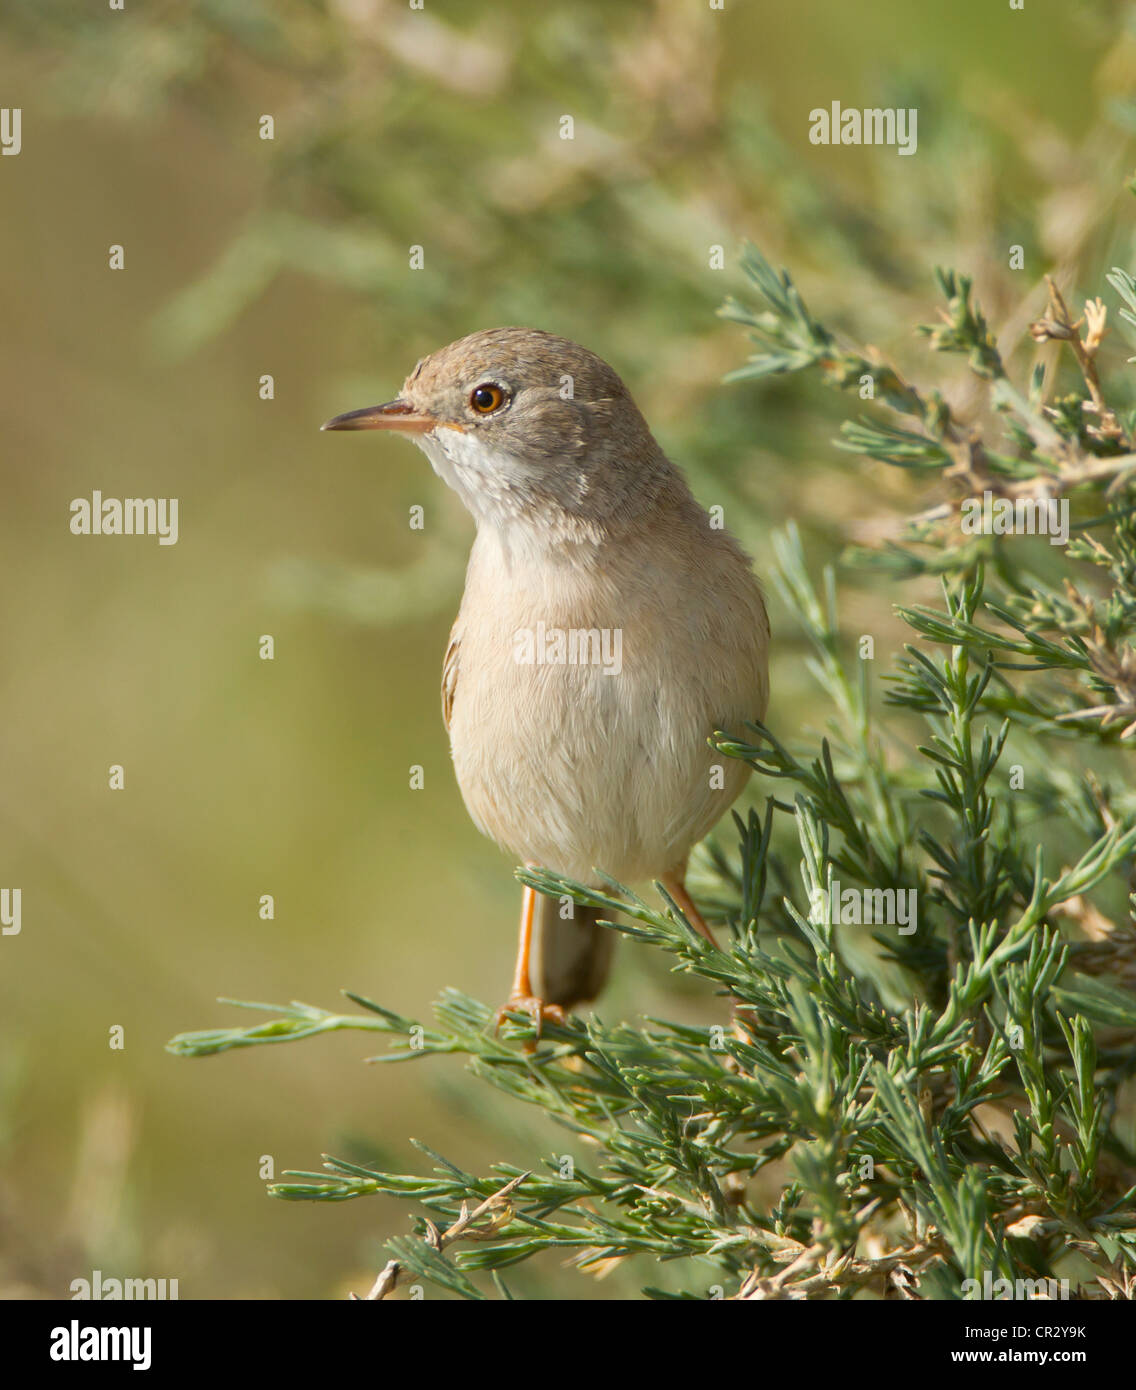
(450, 676)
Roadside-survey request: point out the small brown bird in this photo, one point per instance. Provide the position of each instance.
(608, 627)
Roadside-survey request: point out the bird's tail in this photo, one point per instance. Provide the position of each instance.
(573, 953)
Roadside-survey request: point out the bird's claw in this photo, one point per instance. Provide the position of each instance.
(536, 1009)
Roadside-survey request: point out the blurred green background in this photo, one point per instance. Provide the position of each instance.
(394, 128)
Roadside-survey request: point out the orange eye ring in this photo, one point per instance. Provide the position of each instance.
(486, 398)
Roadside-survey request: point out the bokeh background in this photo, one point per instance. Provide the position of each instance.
(397, 127)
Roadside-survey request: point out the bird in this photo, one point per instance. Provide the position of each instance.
(609, 626)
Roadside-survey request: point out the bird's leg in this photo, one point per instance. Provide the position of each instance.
(675, 885)
(521, 997)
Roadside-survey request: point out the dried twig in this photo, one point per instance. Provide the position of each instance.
(1058, 325)
(497, 1202)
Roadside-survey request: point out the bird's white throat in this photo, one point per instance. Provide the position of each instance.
(530, 508)
(494, 485)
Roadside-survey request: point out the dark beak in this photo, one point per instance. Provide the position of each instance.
(394, 415)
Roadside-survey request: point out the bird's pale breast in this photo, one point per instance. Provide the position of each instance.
(585, 693)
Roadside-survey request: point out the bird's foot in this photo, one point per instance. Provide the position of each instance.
(536, 1009)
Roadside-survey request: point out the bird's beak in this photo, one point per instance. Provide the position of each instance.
(394, 415)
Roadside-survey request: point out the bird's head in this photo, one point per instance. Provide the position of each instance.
(525, 426)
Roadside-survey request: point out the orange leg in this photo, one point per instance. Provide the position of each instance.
(676, 887)
(521, 997)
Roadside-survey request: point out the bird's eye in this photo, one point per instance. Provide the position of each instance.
(486, 398)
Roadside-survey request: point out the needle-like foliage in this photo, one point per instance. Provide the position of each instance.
(878, 1102)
